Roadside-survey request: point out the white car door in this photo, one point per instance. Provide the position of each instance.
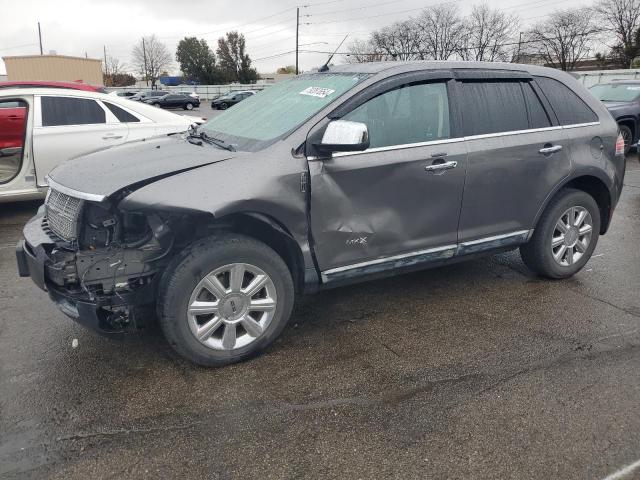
(139, 126)
(68, 126)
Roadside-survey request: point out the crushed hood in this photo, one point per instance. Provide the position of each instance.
(105, 172)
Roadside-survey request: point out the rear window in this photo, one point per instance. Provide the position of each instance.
(569, 107)
(121, 114)
(494, 107)
(58, 111)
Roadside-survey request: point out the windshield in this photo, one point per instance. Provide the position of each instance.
(269, 115)
(616, 92)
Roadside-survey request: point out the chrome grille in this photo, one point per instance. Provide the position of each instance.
(63, 214)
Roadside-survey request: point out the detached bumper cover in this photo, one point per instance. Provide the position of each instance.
(97, 312)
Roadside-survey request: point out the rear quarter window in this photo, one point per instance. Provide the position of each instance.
(568, 106)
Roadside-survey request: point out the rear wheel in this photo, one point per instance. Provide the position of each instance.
(224, 300)
(627, 136)
(565, 237)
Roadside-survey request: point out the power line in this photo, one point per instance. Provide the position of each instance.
(354, 9)
(18, 46)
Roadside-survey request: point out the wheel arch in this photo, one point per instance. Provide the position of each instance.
(265, 229)
(594, 186)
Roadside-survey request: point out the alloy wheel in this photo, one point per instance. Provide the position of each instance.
(571, 236)
(232, 306)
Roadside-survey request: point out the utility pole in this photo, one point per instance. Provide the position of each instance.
(106, 68)
(144, 55)
(518, 54)
(297, 35)
(40, 37)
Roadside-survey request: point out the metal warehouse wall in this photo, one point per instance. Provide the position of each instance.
(54, 67)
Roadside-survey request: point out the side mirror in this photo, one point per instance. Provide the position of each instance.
(344, 136)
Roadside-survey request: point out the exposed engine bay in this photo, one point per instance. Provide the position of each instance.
(114, 257)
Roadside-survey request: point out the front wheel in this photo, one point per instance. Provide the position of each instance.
(188, 106)
(224, 300)
(565, 236)
(223, 106)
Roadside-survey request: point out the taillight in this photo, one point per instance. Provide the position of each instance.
(620, 145)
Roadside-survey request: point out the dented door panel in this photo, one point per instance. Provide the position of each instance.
(377, 204)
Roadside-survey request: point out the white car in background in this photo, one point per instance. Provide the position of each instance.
(43, 127)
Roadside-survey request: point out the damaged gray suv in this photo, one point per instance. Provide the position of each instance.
(332, 177)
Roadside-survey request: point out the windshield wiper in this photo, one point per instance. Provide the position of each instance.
(193, 133)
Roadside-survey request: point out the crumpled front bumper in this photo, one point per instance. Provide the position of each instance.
(96, 312)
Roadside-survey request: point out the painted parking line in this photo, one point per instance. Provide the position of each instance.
(623, 472)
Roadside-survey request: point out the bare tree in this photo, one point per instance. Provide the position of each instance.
(487, 32)
(361, 51)
(565, 38)
(623, 16)
(400, 41)
(113, 66)
(441, 28)
(150, 57)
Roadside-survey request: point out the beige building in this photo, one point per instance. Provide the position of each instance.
(54, 67)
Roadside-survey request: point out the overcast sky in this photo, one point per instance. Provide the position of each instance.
(76, 27)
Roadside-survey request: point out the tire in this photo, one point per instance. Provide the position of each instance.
(627, 135)
(182, 284)
(188, 106)
(538, 254)
(223, 106)
(157, 105)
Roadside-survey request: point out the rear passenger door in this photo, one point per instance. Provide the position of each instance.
(517, 154)
(67, 127)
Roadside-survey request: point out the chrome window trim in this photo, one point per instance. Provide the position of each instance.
(578, 125)
(512, 132)
(459, 139)
(400, 147)
(92, 197)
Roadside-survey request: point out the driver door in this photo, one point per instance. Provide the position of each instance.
(398, 202)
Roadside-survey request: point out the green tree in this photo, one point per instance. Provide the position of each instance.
(234, 62)
(197, 61)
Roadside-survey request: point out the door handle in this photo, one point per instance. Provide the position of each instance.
(111, 137)
(436, 167)
(548, 150)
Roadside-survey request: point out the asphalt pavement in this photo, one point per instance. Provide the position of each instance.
(478, 370)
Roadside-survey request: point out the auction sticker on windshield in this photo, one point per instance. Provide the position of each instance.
(317, 92)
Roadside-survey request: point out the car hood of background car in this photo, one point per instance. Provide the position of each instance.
(106, 172)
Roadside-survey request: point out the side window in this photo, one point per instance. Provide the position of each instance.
(121, 114)
(493, 107)
(538, 117)
(71, 111)
(412, 113)
(13, 123)
(569, 107)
